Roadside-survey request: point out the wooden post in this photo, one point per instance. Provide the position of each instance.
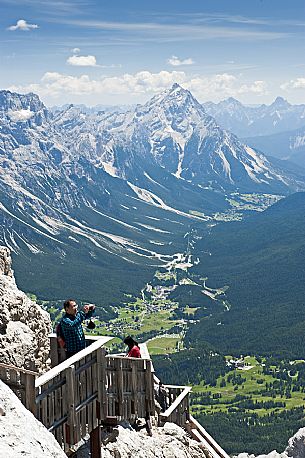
(119, 380)
(149, 397)
(54, 351)
(101, 384)
(29, 386)
(134, 392)
(95, 443)
(70, 403)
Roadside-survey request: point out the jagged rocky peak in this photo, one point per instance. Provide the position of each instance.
(24, 326)
(173, 101)
(21, 108)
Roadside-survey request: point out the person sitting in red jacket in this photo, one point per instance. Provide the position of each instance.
(133, 347)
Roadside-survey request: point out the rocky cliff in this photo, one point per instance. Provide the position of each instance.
(24, 326)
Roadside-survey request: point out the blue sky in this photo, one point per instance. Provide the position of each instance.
(125, 51)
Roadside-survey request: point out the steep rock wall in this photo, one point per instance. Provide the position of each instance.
(24, 326)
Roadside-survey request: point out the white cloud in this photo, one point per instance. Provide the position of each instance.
(257, 87)
(215, 87)
(20, 115)
(53, 83)
(175, 61)
(75, 50)
(23, 25)
(132, 88)
(165, 32)
(298, 83)
(82, 61)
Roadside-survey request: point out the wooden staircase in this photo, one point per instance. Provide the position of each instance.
(92, 390)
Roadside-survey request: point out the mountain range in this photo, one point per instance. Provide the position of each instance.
(253, 121)
(287, 146)
(82, 194)
(277, 129)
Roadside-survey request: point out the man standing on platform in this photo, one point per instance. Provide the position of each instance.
(71, 326)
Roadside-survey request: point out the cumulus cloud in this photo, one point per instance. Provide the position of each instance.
(175, 61)
(135, 86)
(75, 50)
(20, 115)
(298, 83)
(143, 82)
(82, 61)
(257, 87)
(23, 25)
(214, 87)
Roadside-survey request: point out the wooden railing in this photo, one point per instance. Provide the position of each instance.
(197, 431)
(85, 391)
(69, 397)
(177, 401)
(21, 381)
(91, 389)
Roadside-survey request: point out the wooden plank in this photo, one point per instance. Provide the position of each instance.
(95, 443)
(43, 379)
(176, 402)
(149, 389)
(18, 369)
(90, 392)
(208, 437)
(44, 412)
(119, 385)
(58, 401)
(70, 396)
(102, 383)
(134, 392)
(82, 396)
(14, 376)
(51, 408)
(53, 350)
(3, 373)
(29, 388)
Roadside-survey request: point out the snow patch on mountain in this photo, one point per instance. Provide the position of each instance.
(156, 229)
(153, 199)
(110, 169)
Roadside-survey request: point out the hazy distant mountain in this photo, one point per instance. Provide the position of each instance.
(81, 193)
(288, 146)
(247, 121)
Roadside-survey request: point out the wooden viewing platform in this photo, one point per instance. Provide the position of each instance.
(91, 389)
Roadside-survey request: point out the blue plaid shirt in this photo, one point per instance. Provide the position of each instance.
(73, 331)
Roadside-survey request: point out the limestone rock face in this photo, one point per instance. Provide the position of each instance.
(24, 326)
(20, 433)
(170, 441)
